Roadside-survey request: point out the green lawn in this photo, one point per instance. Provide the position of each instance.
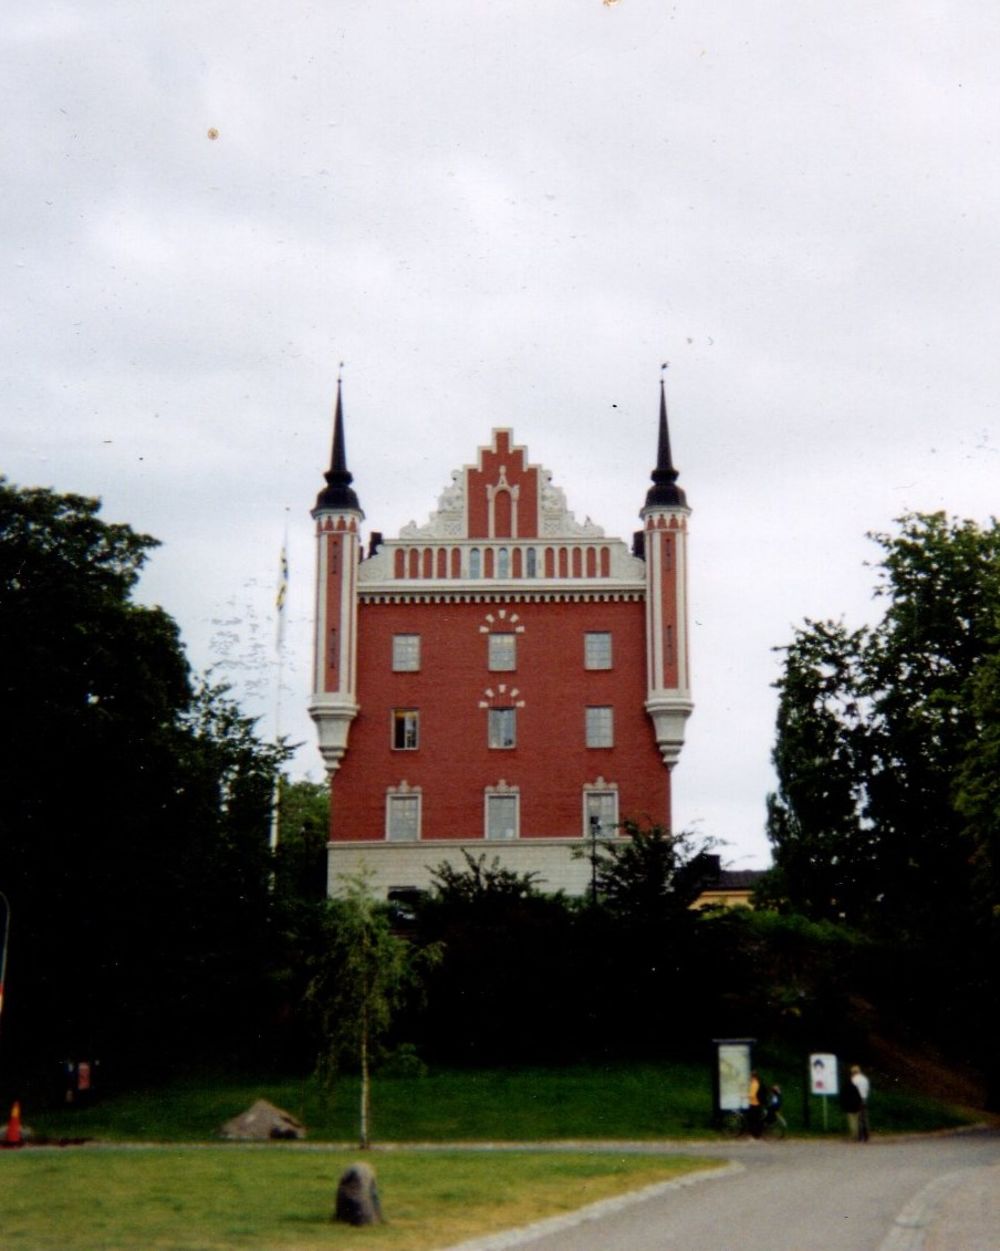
(644, 1101)
(280, 1198)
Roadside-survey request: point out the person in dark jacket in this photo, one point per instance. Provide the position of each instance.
(850, 1101)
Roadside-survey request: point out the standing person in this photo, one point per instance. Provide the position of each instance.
(850, 1101)
(756, 1095)
(863, 1086)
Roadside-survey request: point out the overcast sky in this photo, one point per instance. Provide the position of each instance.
(504, 212)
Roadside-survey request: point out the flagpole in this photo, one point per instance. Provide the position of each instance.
(280, 606)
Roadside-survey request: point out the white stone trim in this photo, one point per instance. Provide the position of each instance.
(397, 865)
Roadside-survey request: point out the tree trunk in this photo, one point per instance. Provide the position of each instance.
(365, 1085)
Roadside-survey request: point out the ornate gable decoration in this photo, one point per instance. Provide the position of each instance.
(448, 520)
(502, 496)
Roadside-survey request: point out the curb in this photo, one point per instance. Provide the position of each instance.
(592, 1212)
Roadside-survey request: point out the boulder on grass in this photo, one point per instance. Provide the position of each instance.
(357, 1197)
(262, 1120)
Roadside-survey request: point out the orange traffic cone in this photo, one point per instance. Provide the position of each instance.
(14, 1137)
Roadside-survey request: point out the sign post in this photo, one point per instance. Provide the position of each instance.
(823, 1078)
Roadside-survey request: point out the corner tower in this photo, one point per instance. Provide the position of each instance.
(338, 517)
(665, 529)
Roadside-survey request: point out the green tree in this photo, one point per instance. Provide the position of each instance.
(303, 832)
(133, 834)
(825, 856)
(651, 874)
(886, 810)
(505, 988)
(874, 729)
(360, 978)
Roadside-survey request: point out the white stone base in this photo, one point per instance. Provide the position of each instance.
(401, 866)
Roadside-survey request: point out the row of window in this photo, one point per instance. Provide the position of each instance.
(501, 651)
(501, 815)
(503, 562)
(501, 727)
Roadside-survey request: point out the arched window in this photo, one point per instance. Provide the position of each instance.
(503, 563)
(475, 563)
(532, 565)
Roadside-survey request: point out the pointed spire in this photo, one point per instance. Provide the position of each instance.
(338, 494)
(664, 493)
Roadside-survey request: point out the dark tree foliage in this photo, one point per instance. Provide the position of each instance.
(504, 990)
(651, 875)
(875, 730)
(887, 804)
(532, 977)
(133, 833)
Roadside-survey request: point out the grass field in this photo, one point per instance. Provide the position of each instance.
(640, 1101)
(280, 1198)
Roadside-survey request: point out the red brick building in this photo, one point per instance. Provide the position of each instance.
(504, 679)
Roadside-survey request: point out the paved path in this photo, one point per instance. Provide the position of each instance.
(937, 1193)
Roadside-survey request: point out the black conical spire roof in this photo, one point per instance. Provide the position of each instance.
(338, 494)
(664, 493)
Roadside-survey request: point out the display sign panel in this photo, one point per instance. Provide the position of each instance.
(734, 1075)
(823, 1074)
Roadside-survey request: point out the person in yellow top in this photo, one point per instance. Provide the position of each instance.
(757, 1095)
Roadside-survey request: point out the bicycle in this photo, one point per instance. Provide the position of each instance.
(736, 1124)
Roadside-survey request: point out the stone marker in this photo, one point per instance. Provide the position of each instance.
(263, 1120)
(357, 1197)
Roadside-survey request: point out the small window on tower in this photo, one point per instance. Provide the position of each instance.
(406, 653)
(502, 651)
(502, 727)
(597, 649)
(405, 729)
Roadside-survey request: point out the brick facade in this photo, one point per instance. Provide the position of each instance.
(499, 679)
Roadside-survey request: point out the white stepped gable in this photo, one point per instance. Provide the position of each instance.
(448, 519)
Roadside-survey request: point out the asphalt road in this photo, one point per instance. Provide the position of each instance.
(905, 1194)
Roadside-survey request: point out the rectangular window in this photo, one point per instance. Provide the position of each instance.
(405, 653)
(501, 816)
(601, 812)
(503, 651)
(502, 727)
(402, 818)
(600, 727)
(405, 729)
(597, 649)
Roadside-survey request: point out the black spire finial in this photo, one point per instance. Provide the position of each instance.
(664, 493)
(338, 494)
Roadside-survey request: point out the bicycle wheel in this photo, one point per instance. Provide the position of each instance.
(776, 1127)
(732, 1124)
